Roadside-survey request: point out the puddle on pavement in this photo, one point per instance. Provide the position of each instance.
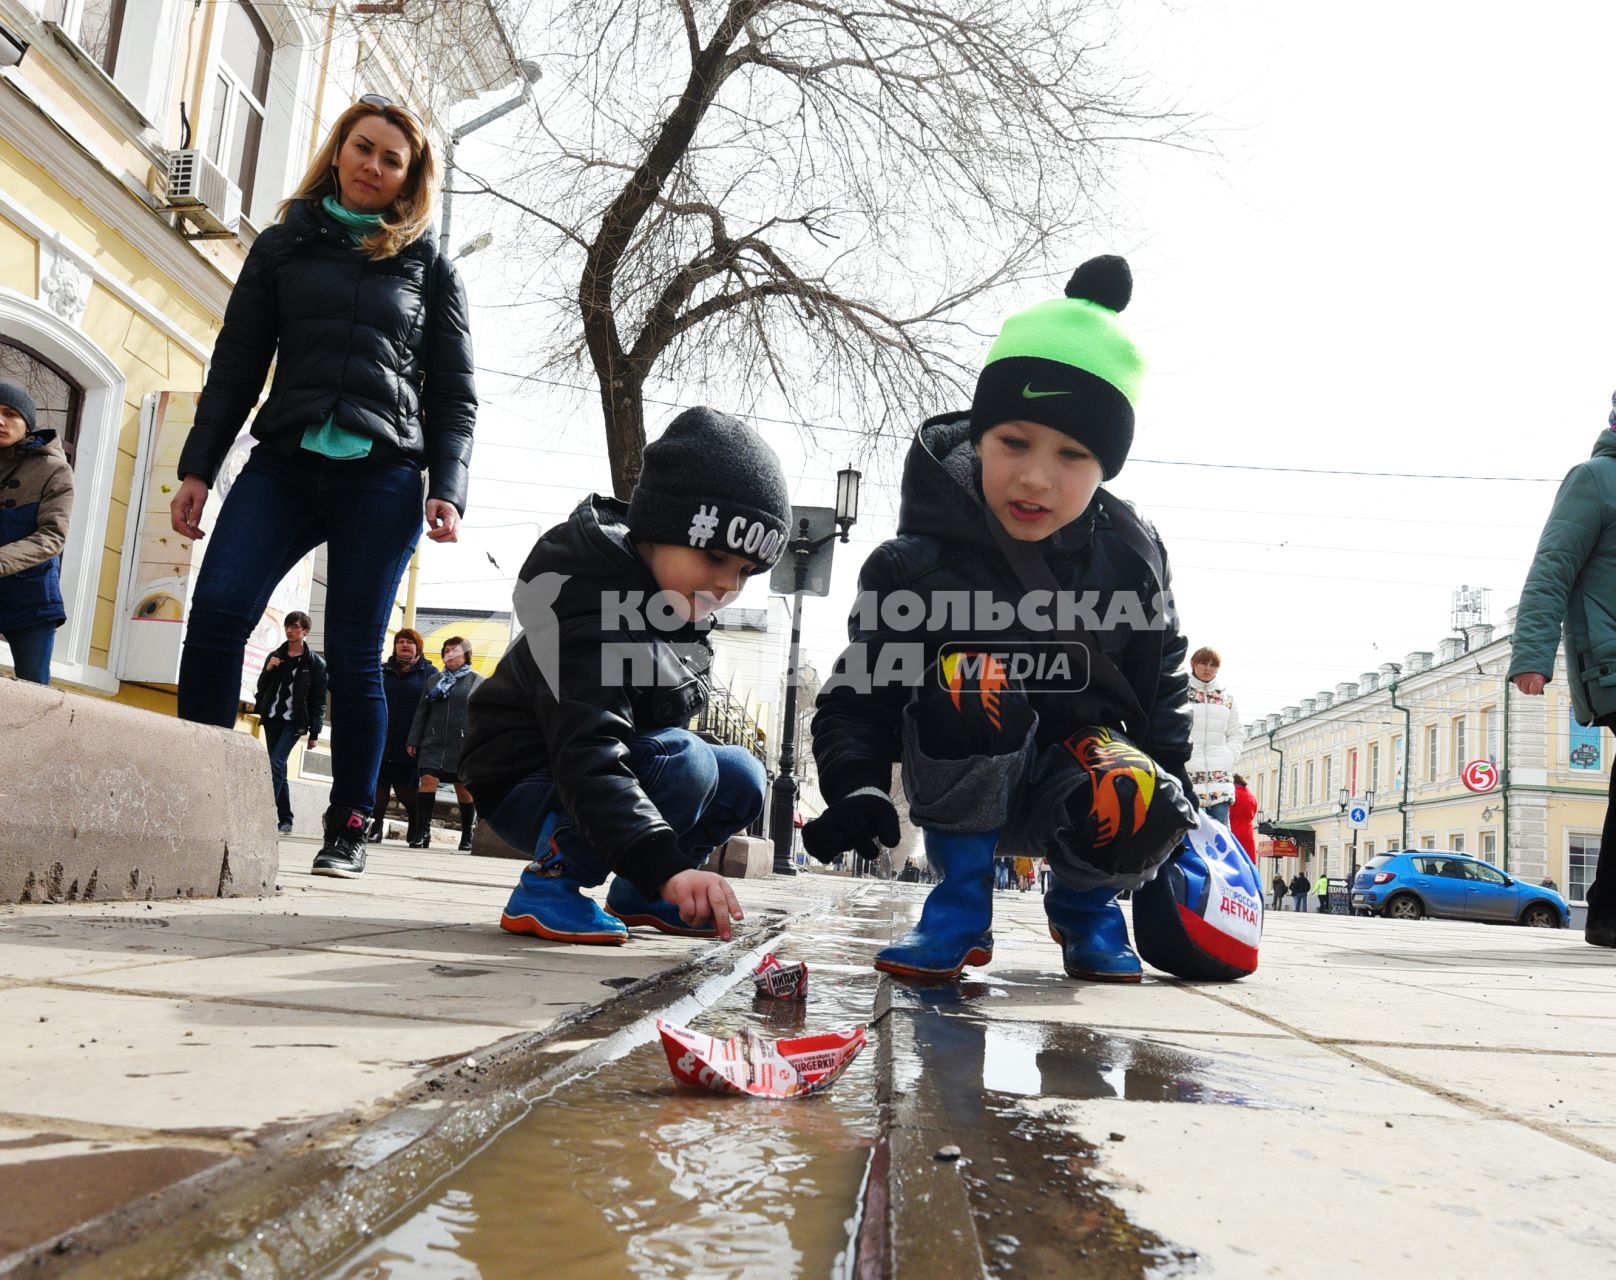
(623, 1172)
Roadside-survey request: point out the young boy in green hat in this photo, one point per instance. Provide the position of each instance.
(1017, 625)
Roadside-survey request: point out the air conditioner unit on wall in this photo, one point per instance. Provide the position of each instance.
(199, 192)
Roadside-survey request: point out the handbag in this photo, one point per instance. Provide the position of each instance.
(1201, 918)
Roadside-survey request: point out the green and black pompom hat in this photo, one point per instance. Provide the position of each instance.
(1068, 364)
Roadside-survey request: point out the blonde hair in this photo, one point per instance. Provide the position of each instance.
(410, 214)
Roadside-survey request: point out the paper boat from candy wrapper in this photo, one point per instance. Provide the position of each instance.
(796, 1068)
(781, 981)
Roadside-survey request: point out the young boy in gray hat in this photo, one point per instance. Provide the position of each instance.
(36, 503)
(577, 750)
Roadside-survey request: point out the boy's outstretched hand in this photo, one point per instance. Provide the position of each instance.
(703, 897)
(855, 823)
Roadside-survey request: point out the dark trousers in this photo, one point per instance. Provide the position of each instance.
(280, 736)
(1324, 904)
(368, 514)
(1300, 901)
(400, 778)
(1279, 899)
(1601, 894)
(31, 649)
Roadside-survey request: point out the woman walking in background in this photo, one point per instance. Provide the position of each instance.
(436, 736)
(405, 677)
(367, 329)
(1215, 735)
(1571, 590)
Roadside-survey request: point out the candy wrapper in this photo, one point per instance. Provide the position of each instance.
(760, 1068)
(781, 981)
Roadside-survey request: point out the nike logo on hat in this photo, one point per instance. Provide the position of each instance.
(1027, 393)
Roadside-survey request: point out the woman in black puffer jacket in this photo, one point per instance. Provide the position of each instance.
(367, 328)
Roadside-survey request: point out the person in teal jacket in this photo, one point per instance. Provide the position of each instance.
(1571, 586)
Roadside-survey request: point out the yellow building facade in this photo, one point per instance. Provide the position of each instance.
(1412, 733)
(143, 143)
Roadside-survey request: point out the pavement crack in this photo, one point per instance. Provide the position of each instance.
(1463, 1101)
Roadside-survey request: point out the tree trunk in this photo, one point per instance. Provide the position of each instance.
(624, 413)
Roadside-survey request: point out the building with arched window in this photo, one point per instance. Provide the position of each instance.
(143, 144)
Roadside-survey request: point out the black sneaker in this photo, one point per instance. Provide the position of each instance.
(343, 853)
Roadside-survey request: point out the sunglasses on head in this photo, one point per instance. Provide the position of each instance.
(378, 100)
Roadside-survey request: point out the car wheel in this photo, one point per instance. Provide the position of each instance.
(1540, 915)
(1405, 906)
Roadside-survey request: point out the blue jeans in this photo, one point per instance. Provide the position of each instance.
(705, 793)
(280, 736)
(31, 649)
(369, 515)
(1218, 812)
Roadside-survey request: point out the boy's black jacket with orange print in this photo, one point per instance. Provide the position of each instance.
(944, 545)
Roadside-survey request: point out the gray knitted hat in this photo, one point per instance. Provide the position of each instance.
(710, 481)
(13, 395)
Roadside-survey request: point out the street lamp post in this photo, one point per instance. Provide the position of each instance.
(782, 818)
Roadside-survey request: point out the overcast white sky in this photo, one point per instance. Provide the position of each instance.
(1399, 263)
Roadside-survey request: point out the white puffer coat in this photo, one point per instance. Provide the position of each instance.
(1215, 738)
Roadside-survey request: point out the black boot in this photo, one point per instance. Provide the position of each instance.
(424, 805)
(343, 853)
(468, 821)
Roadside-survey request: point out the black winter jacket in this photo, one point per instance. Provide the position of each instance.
(944, 545)
(349, 337)
(403, 690)
(577, 722)
(308, 689)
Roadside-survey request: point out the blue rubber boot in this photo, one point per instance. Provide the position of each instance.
(548, 903)
(1092, 933)
(635, 910)
(956, 924)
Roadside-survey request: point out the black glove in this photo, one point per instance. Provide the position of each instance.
(854, 823)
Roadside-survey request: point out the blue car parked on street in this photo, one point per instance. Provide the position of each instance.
(1413, 883)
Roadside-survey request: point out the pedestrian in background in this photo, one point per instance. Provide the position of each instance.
(1571, 587)
(436, 736)
(1242, 813)
(36, 503)
(1299, 887)
(405, 677)
(1321, 890)
(289, 702)
(1215, 735)
(1279, 892)
(367, 329)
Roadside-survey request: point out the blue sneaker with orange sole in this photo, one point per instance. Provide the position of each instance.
(548, 903)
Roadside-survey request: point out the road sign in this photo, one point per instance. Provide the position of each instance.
(1479, 775)
(1357, 814)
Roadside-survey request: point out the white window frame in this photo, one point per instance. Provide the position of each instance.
(1487, 844)
(1428, 843)
(1489, 732)
(283, 141)
(1373, 775)
(1456, 842)
(1593, 837)
(1433, 753)
(23, 320)
(1461, 742)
